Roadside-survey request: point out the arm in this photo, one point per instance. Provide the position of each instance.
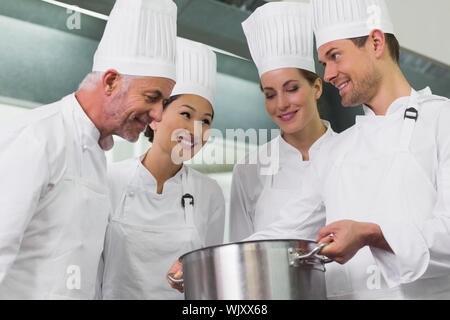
(241, 210)
(216, 222)
(98, 285)
(301, 217)
(420, 246)
(24, 177)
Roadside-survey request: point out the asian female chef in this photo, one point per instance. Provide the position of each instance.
(162, 208)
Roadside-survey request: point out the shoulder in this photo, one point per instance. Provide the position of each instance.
(37, 133)
(203, 179)
(121, 171)
(334, 142)
(250, 165)
(434, 112)
(205, 184)
(42, 120)
(432, 103)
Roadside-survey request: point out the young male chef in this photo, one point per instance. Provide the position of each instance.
(54, 201)
(385, 182)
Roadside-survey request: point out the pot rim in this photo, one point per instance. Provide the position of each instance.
(245, 242)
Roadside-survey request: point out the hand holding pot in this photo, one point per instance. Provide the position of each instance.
(346, 237)
(176, 273)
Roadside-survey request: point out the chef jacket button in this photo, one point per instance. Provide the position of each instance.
(84, 147)
(131, 194)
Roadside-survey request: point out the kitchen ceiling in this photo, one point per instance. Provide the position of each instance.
(35, 42)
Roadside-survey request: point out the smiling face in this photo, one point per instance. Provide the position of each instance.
(136, 104)
(291, 100)
(185, 124)
(351, 70)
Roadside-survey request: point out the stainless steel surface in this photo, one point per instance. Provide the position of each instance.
(257, 270)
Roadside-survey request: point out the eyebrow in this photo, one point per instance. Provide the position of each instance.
(193, 109)
(284, 85)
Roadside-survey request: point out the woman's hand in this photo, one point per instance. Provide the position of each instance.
(176, 271)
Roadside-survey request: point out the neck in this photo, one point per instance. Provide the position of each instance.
(393, 86)
(160, 165)
(90, 103)
(303, 140)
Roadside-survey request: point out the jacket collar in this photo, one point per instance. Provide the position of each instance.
(395, 109)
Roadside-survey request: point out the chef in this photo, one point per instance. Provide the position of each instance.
(54, 200)
(163, 209)
(384, 181)
(280, 38)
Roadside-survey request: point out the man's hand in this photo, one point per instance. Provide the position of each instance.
(347, 237)
(176, 271)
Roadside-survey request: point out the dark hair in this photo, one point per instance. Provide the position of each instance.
(391, 41)
(149, 133)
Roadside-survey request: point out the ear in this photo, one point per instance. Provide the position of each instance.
(111, 81)
(318, 87)
(377, 42)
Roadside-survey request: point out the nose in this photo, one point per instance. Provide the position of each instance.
(155, 113)
(330, 72)
(282, 102)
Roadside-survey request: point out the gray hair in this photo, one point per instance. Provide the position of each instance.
(92, 80)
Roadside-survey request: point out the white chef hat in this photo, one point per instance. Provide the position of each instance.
(279, 35)
(196, 70)
(139, 39)
(346, 19)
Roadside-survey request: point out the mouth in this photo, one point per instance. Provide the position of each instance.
(287, 116)
(342, 87)
(141, 124)
(186, 143)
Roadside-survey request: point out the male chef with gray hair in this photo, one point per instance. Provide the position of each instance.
(54, 201)
(385, 182)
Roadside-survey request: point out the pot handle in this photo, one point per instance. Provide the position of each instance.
(171, 278)
(313, 253)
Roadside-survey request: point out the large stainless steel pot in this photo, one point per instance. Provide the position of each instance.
(257, 270)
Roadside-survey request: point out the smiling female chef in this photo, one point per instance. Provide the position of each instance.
(162, 208)
(280, 38)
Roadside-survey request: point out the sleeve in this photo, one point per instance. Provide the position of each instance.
(99, 283)
(241, 209)
(301, 217)
(24, 177)
(216, 221)
(421, 249)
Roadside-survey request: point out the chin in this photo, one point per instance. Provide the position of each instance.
(291, 129)
(131, 137)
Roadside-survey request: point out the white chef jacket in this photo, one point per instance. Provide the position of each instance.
(255, 196)
(33, 161)
(420, 267)
(153, 213)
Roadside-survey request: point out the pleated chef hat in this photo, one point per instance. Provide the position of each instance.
(139, 39)
(196, 70)
(279, 35)
(346, 19)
